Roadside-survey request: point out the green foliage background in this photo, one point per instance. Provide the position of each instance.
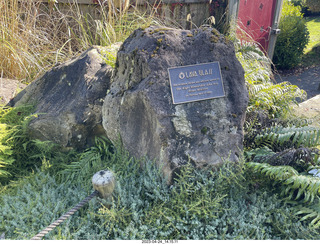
(313, 6)
(293, 38)
(19, 155)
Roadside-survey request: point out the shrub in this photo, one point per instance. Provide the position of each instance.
(297, 2)
(301, 4)
(293, 38)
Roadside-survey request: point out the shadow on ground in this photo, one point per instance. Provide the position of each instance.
(307, 79)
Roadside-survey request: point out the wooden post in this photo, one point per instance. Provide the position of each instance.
(275, 31)
(104, 182)
(233, 9)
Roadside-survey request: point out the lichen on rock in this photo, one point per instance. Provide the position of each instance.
(139, 107)
(68, 100)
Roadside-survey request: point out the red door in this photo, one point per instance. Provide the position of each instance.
(255, 18)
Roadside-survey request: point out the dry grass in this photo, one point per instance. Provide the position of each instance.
(35, 36)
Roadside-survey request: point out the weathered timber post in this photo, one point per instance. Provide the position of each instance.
(104, 182)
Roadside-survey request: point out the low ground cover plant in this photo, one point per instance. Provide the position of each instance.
(271, 193)
(201, 204)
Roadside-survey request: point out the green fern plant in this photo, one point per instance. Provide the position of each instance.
(6, 158)
(19, 155)
(294, 186)
(12, 122)
(103, 155)
(279, 137)
(275, 99)
(92, 159)
(283, 156)
(311, 213)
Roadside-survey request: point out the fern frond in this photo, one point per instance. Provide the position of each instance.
(308, 187)
(278, 136)
(279, 173)
(299, 158)
(311, 212)
(295, 186)
(3, 173)
(258, 154)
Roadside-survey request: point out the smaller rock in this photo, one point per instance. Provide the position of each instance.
(309, 109)
(68, 100)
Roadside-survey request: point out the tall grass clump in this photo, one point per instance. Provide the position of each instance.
(20, 42)
(34, 36)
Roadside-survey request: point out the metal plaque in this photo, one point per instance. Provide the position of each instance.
(196, 82)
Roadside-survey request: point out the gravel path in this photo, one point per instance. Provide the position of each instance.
(307, 79)
(8, 89)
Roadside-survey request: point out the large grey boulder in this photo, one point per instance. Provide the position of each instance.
(68, 100)
(139, 109)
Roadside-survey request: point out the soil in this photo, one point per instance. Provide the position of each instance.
(9, 89)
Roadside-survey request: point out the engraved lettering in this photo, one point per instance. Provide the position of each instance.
(191, 74)
(181, 75)
(205, 72)
(202, 89)
(194, 90)
(181, 84)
